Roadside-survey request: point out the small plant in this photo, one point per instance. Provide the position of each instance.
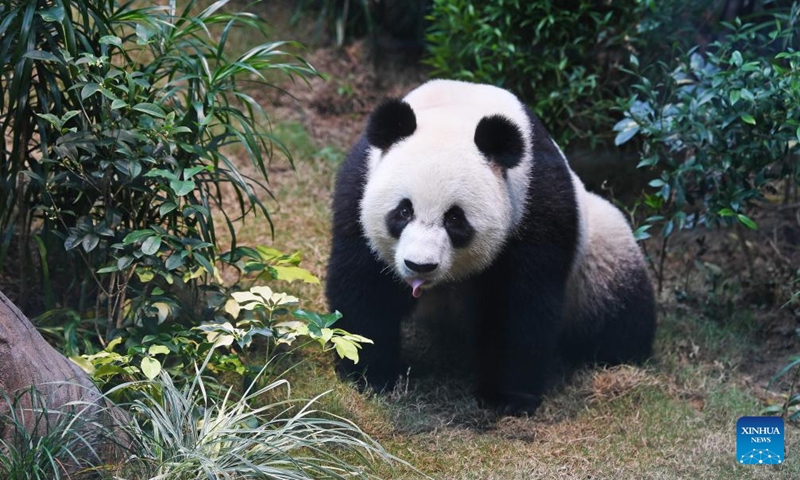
(790, 408)
(260, 312)
(37, 442)
(256, 313)
(183, 433)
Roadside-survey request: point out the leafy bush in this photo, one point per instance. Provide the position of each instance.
(562, 58)
(119, 120)
(722, 128)
(257, 313)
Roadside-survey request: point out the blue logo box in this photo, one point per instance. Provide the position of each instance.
(760, 441)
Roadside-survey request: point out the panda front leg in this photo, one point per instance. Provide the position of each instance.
(372, 304)
(522, 302)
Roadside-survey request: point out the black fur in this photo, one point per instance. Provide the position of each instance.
(391, 122)
(500, 140)
(358, 285)
(458, 227)
(521, 301)
(399, 217)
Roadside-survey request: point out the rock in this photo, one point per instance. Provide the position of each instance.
(28, 362)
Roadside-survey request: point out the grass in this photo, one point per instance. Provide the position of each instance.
(37, 442)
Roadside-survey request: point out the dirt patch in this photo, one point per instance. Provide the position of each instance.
(708, 274)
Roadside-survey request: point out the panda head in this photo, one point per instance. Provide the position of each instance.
(441, 195)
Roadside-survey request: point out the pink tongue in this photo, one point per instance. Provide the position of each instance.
(416, 286)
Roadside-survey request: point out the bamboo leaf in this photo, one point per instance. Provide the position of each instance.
(42, 56)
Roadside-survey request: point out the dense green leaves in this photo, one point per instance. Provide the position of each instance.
(118, 117)
(559, 57)
(721, 127)
(119, 121)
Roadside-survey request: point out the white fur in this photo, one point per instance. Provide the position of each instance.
(439, 166)
(606, 252)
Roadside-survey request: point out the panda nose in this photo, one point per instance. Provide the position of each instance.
(421, 267)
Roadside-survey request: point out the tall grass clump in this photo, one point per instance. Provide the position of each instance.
(42, 443)
(188, 433)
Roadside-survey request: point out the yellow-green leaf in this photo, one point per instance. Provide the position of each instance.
(157, 349)
(246, 297)
(232, 307)
(150, 367)
(263, 291)
(224, 341)
(346, 349)
(113, 343)
(163, 311)
(83, 362)
(291, 273)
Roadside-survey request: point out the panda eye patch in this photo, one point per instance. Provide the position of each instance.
(399, 217)
(458, 227)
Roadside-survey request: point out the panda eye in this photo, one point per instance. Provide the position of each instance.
(453, 217)
(458, 228)
(405, 212)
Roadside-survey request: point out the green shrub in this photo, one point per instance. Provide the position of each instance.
(562, 58)
(258, 313)
(722, 128)
(120, 121)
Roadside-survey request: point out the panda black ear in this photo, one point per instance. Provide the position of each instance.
(500, 140)
(391, 122)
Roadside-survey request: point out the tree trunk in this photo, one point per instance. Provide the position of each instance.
(37, 375)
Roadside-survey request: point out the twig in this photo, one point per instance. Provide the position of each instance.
(791, 390)
(745, 249)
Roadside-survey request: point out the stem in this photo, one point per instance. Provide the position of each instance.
(791, 390)
(745, 249)
(662, 257)
(22, 246)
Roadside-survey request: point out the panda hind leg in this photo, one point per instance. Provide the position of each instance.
(623, 333)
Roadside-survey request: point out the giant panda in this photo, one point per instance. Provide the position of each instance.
(457, 194)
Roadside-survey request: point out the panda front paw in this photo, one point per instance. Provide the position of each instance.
(509, 403)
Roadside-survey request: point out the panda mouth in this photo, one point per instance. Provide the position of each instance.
(416, 286)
